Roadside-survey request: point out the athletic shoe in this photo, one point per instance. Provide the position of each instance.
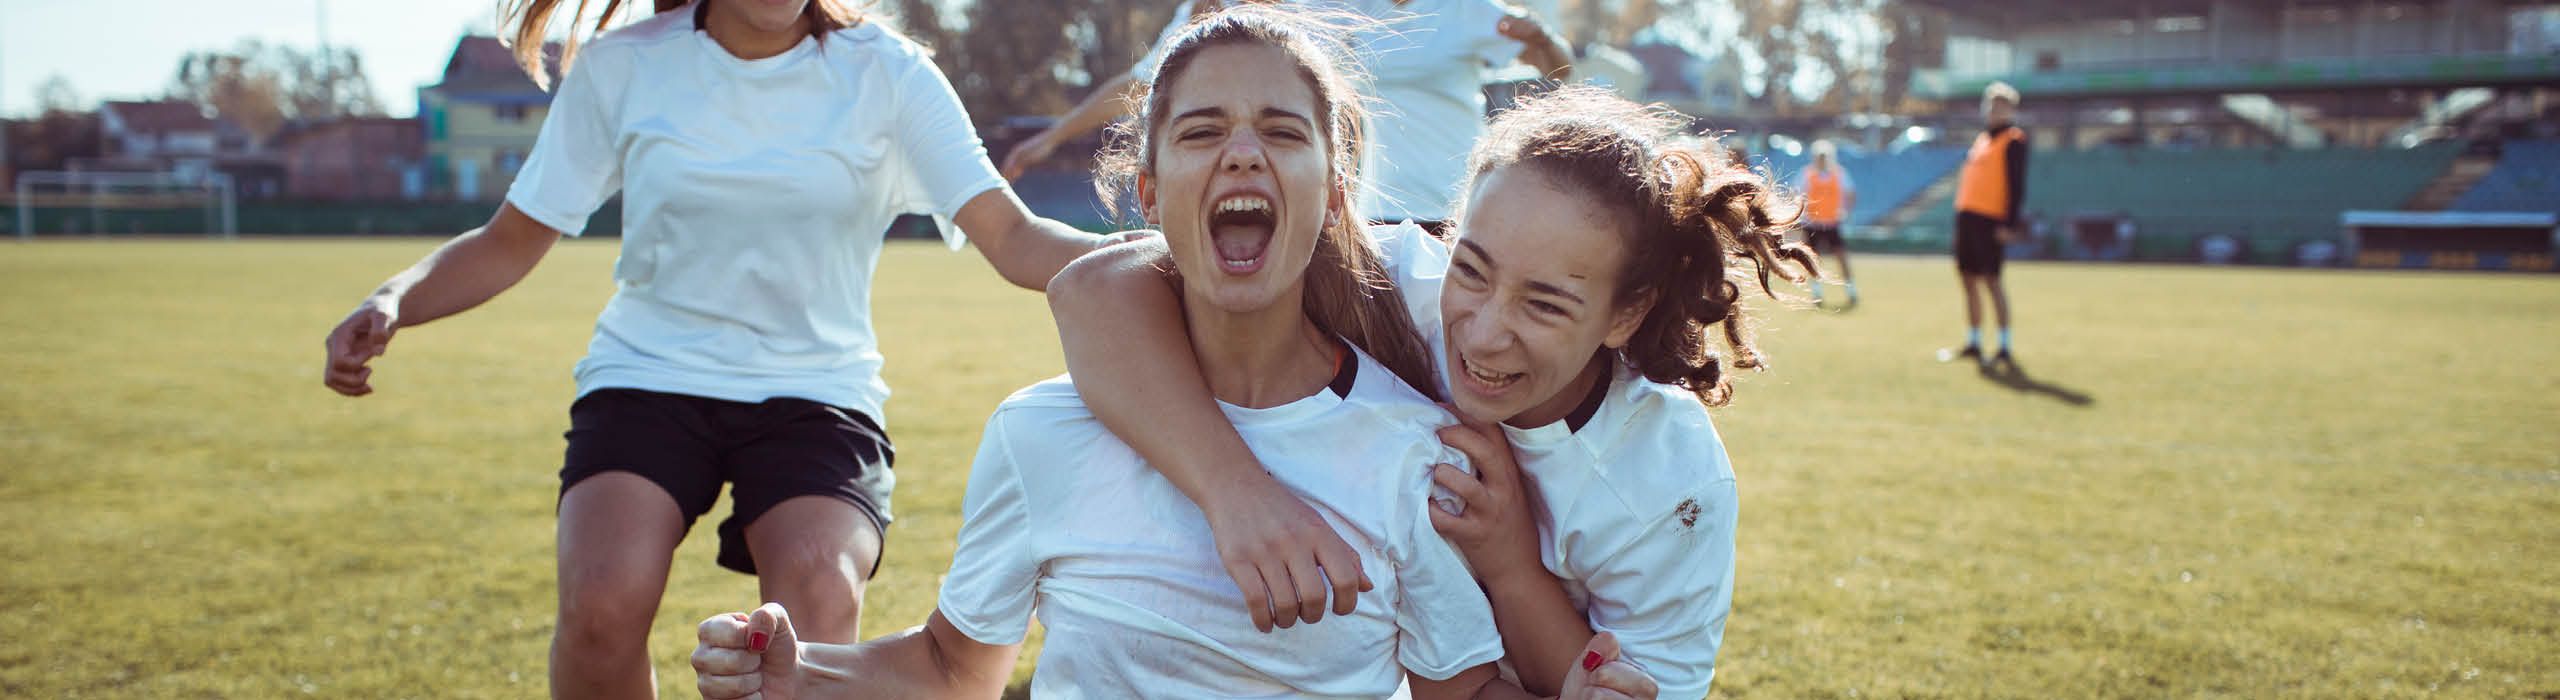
(2002, 358)
(1970, 352)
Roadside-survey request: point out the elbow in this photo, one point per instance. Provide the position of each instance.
(1107, 273)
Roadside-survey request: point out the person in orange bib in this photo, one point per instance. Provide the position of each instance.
(1989, 192)
(1828, 195)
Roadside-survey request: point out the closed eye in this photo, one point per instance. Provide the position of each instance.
(1466, 271)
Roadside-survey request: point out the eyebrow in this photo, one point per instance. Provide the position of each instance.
(1267, 113)
(1535, 286)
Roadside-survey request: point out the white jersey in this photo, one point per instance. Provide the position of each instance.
(1639, 503)
(1427, 63)
(756, 195)
(1065, 520)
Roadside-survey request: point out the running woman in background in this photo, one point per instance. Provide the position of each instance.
(761, 149)
(1828, 197)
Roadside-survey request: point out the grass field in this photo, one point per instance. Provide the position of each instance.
(2242, 483)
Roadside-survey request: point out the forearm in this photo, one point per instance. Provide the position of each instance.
(468, 270)
(1542, 633)
(933, 660)
(1109, 102)
(1120, 321)
(1046, 247)
(1547, 54)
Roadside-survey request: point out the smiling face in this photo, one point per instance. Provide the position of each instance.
(1531, 298)
(1240, 182)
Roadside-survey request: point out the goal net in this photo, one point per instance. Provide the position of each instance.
(109, 203)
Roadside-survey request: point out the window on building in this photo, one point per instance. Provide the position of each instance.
(509, 113)
(2171, 25)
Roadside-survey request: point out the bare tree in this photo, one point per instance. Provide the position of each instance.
(260, 88)
(56, 95)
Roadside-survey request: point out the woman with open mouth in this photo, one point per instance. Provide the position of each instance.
(1576, 319)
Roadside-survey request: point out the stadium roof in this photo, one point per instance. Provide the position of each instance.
(2039, 11)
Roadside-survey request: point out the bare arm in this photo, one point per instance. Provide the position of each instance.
(1027, 249)
(751, 655)
(1120, 320)
(1541, 630)
(1600, 674)
(1541, 49)
(463, 273)
(1110, 101)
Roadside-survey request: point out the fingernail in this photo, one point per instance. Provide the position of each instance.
(1590, 660)
(757, 640)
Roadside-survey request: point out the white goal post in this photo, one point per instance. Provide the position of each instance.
(98, 193)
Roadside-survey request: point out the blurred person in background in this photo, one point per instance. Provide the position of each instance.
(1991, 190)
(1828, 196)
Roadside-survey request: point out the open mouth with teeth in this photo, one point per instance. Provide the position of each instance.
(1485, 381)
(1240, 229)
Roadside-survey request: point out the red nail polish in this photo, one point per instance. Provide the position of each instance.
(757, 640)
(1590, 660)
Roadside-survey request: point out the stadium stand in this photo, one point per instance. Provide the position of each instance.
(2526, 179)
(2269, 199)
(1885, 180)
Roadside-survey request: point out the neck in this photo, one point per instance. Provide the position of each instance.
(742, 39)
(1557, 407)
(1260, 359)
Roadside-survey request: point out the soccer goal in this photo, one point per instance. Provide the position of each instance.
(102, 203)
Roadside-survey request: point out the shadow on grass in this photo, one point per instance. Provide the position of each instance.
(2009, 374)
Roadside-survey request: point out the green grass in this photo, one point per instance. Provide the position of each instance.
(2282, 484)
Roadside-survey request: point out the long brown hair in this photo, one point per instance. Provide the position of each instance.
(531, 22)
(1348, 292)
(1702, 225)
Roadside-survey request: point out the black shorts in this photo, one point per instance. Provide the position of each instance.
(769, 452)
(1822, 237)
(1978, 249)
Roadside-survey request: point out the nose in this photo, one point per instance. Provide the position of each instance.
(1243, 155)
(1482, 332)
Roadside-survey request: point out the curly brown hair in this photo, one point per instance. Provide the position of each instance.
(1701, 224)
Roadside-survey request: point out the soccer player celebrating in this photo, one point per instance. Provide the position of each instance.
(761, 150)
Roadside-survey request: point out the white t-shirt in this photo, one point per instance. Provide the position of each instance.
(756, 195)
(1063, 519)
(1639, 505)
(1427, 65)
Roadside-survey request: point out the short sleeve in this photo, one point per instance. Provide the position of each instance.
(992, 584)
(1444, 624)
(1144, 71)
(1484, 36)
(1667, 594)
(1419, 264)
(946, 163)
(576, 163)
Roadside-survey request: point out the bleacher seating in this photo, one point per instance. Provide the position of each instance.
(2526, 179)
(2270, 199)
(1884, 180)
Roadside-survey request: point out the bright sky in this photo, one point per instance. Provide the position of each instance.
(129, 49)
